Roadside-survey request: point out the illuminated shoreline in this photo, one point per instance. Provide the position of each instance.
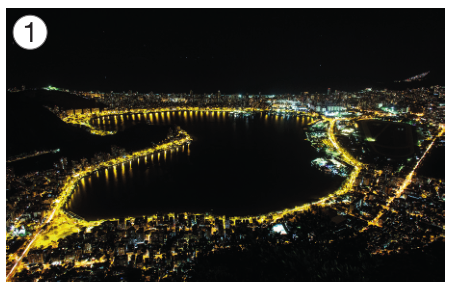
(64, 217)
(84, 119)
(68, 188)
(72, 181)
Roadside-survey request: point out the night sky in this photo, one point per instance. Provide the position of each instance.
(233, 50)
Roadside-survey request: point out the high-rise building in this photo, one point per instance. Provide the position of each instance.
(328, 91)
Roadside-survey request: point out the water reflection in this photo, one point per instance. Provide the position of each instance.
(124, 176)
(241, 162)
(106, 177)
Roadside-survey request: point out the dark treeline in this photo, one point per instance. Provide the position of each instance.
(330, 257)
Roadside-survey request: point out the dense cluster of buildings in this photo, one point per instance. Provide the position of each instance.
(168, 246)
(28, 204)
(338, 102)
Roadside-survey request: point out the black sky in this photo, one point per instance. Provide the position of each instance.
(234, 50)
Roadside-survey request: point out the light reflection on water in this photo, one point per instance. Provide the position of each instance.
(188, 117)
(235, 166)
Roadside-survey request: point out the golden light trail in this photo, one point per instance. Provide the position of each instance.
(406, 182)
(10, 274)
(84, 119)
(71, 182)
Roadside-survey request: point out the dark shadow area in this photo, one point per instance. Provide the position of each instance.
(31, 127)
(345, 260)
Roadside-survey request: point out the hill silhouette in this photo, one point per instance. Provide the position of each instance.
(32, 127)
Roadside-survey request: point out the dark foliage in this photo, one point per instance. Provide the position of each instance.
(345, 261)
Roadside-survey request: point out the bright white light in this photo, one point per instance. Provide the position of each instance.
(279, 229)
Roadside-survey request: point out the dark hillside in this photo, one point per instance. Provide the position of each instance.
(31, 127)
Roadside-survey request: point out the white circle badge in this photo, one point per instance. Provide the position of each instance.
(30, 32)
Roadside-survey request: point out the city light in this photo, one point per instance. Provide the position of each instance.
(327, 135)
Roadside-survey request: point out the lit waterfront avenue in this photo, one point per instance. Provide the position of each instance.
(61, 216)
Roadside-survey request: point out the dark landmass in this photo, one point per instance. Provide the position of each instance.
(345, 260)
(434, 165)
(389, 139)
(32, 127)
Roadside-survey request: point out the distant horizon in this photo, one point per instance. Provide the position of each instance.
(395, 86)
(273, 51)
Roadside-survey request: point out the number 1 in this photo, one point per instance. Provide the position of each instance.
(31, 30)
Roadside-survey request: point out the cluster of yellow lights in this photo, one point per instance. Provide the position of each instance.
(67, 225)
(62, 220)
(406, 182)
(85, 118)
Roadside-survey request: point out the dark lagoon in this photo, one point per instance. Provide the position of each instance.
(234, 166)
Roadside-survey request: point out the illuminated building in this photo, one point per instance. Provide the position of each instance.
(347, 187)
(280, 228)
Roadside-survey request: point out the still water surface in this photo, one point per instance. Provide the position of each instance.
(234, 166)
